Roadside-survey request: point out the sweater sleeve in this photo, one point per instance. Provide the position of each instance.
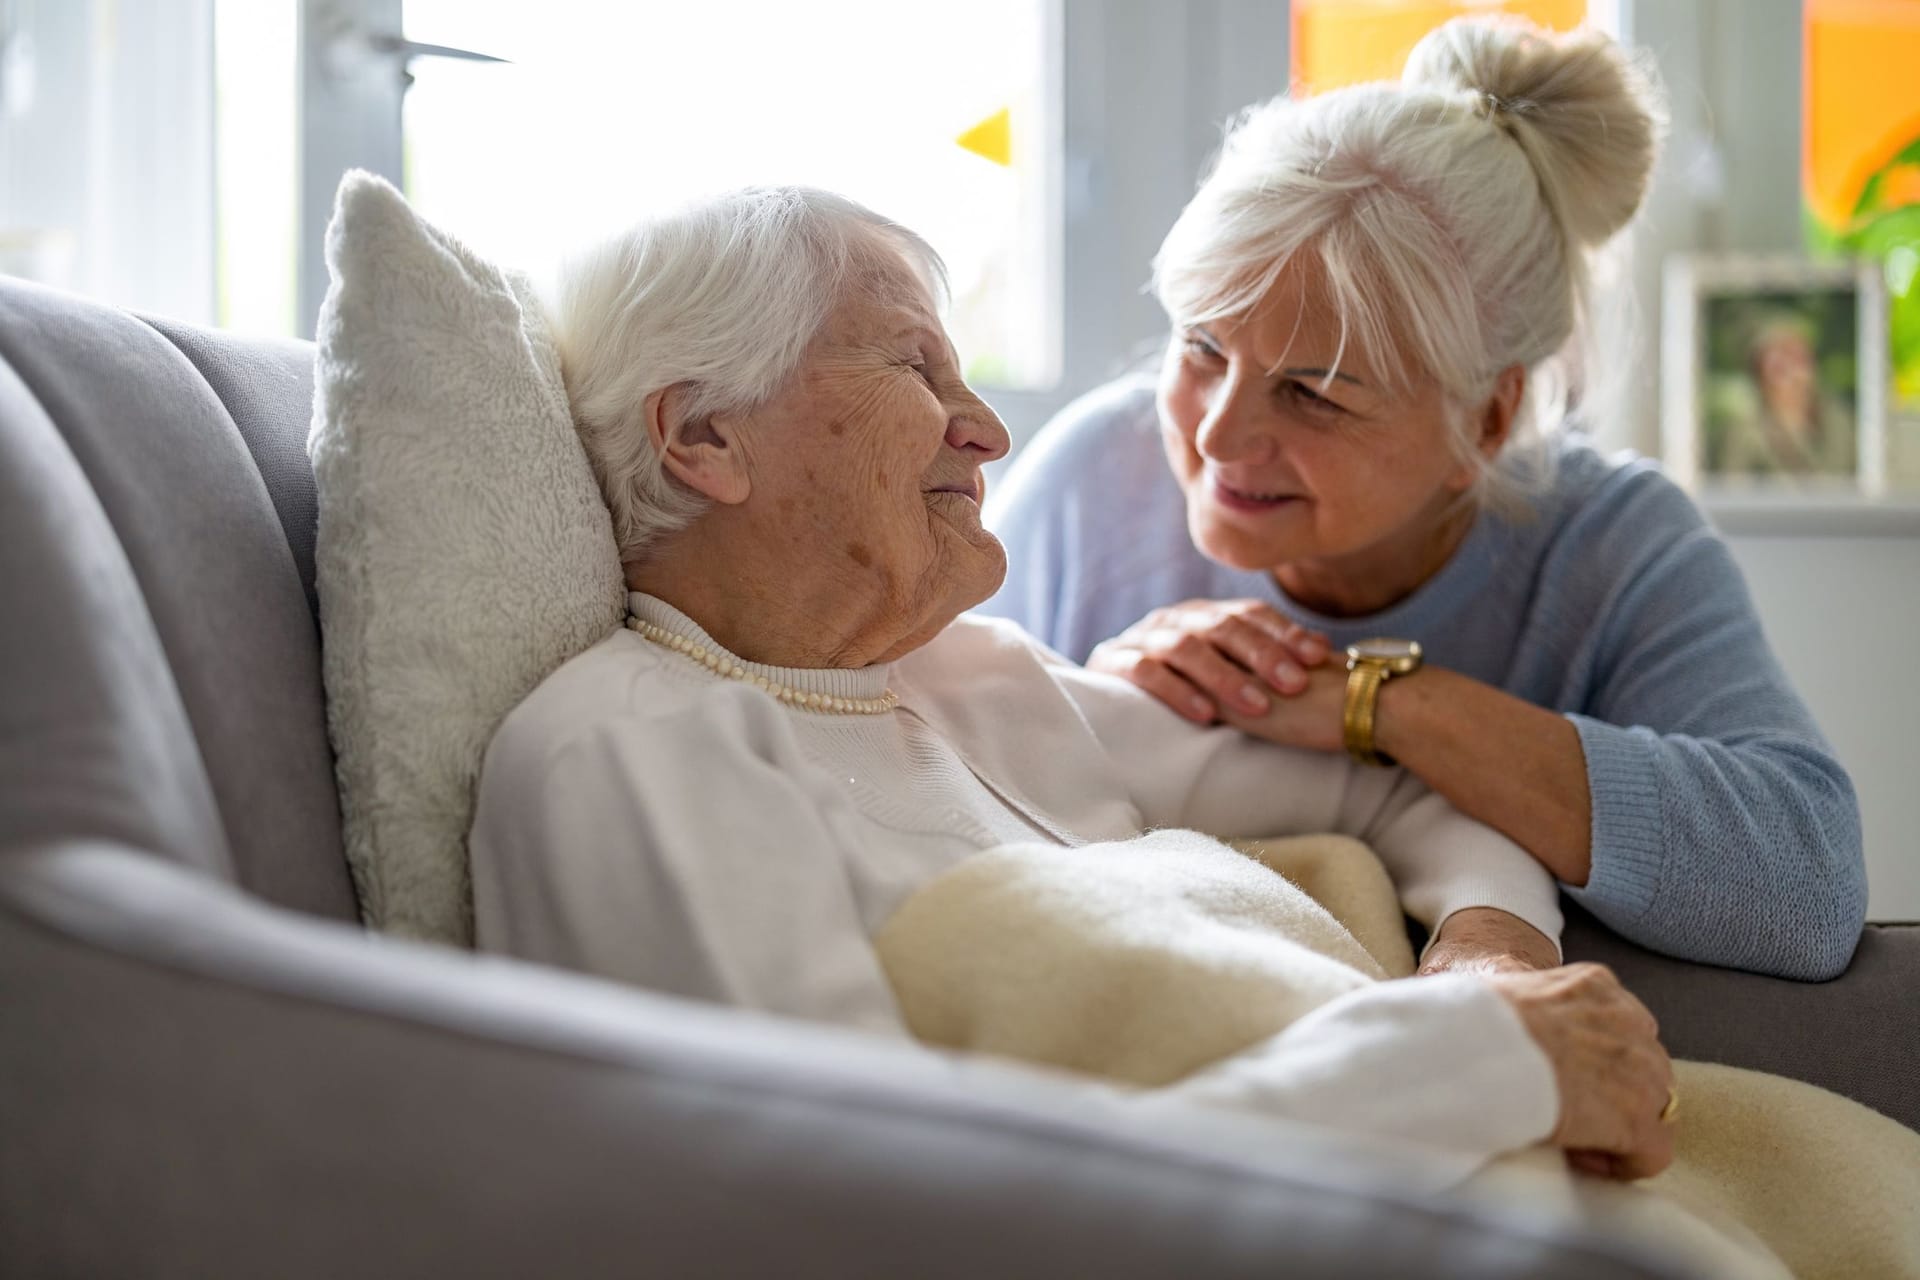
(1724, 829)
(1227, 784)
(614, 849)
(1441, 1061)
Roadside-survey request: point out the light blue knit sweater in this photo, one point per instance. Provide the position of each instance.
(1724, 830)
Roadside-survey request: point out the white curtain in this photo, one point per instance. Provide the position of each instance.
(106, 150)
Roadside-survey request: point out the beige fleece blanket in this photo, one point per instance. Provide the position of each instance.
(1143, 961)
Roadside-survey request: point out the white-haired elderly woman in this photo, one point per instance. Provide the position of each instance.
(727, 798)
(1352, 452)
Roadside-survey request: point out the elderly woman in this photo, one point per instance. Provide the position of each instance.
(727, 798)
(1370, 295)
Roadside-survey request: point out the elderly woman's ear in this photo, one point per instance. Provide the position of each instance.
(705, 452)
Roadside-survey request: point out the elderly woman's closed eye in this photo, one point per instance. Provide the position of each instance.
(797, 731)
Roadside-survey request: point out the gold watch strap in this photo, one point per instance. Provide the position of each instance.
(1356, 720)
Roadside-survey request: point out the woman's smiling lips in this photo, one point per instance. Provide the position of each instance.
(1242, 500)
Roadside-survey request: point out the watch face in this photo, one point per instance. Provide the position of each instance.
(1398, 656)
(1385, 650)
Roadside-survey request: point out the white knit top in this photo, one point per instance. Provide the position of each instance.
(643, 818)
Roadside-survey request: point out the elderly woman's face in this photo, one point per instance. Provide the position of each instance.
(1282, 464)
(871, 455)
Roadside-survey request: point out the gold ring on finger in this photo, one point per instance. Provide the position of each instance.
(1670, 1113)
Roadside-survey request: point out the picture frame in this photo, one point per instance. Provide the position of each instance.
(1774, 376)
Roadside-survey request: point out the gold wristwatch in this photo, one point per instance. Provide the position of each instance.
(1370, 664)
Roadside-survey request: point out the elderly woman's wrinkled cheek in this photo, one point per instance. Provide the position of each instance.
(815, 527)
(839, 510)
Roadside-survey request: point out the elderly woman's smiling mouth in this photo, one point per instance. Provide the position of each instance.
(972, 489)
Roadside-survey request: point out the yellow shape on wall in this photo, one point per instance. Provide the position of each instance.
(992, 138)
(1342, 42)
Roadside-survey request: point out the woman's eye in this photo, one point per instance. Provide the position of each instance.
(1307, 396)
(1201, 349)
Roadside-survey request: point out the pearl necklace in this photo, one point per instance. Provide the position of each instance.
(724, 665)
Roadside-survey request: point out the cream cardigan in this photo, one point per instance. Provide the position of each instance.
(644, 819)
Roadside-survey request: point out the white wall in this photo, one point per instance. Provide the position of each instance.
(1843, 613)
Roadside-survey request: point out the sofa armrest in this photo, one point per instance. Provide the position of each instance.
(198, 1084)
(1858, 1035)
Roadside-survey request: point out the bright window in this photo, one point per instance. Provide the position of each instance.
(106, 150)
(1342, 42)
(942, 116)
(256, 166)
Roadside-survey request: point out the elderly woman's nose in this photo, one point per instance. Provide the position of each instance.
(978, 429)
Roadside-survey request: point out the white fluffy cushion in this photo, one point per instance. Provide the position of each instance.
(464, 551)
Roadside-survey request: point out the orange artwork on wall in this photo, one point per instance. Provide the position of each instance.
(1860, 155)
(1341, 42)
(1862, 102)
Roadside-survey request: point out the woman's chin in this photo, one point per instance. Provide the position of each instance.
(974, 577)
(992, 572)
(1236, 548)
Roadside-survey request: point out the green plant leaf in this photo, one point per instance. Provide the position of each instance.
(1870, 194)
(1881, 235)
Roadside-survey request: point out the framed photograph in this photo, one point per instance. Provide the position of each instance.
(1774, 376)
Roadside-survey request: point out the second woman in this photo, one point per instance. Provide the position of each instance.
(1353, 444)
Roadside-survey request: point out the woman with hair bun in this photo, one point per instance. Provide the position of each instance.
(1371, 525)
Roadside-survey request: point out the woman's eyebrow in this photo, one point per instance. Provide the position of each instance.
(1322, 374)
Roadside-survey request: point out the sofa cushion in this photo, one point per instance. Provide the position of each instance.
(211, 576)
(464, 550)
(93, 738)
(267, 386)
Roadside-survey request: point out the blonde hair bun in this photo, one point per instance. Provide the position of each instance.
(1588, 115)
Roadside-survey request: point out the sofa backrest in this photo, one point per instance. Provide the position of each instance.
(160, 652)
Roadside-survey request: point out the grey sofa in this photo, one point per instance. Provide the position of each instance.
(207, 1068)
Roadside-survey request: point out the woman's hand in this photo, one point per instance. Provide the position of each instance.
(1210, 658)
(1488, 940)
(1608, 1061)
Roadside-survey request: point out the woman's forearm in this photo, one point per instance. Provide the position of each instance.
(1514, 766)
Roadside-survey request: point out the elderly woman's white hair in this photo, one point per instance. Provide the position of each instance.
(1450, 216)
(723, 296)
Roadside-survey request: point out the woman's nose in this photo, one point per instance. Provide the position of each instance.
(1231, 427)
(975, 428)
